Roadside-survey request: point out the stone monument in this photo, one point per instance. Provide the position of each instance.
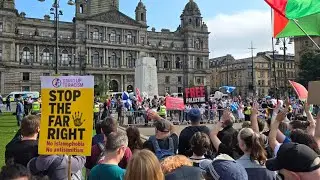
(146, 78)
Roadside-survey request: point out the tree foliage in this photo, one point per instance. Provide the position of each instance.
(309, 68)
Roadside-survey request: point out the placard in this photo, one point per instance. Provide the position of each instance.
(195, 95)
(67, 115)
(313, 92)
(173, 103)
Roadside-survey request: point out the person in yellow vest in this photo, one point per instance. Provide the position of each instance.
(96, 113)
(162, 111)
(247, 112)
(35, 109)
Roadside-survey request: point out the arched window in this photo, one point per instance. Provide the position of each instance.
(45, 56)
(64, 58)
(129, 38)
(96, 59)
(142, 17)
(131, 61)
(26, 55)
(113, 36)
(199, 64)
(114, 61)
(178, 63)
(81, 8)
(167, 63)
(95, 34)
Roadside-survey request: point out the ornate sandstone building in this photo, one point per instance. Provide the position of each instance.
(103, 42)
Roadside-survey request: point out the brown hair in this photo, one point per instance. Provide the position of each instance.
(133, 134)
(171, 163)
(246, 124)
(254, 144)
(297, 124)
(200, 143)
(30, 125)
(144, 165)
(109, 125)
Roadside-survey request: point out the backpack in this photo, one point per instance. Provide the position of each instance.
(102, 149)
(162, 153)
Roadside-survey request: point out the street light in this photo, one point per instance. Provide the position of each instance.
(56, 12)
(285, 42)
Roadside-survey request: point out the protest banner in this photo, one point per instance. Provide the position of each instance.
(195, 95)
(313, 96)
(173, 103)
(67, 115)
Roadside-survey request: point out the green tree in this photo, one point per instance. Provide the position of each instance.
(309, 68)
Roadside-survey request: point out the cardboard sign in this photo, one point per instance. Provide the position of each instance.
(67, 115)
(313, 92)
(173, 103)
(195, 95)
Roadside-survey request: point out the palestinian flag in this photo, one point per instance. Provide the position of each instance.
(283, 27)
(305, 12)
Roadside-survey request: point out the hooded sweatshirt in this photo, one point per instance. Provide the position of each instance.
(60, 171)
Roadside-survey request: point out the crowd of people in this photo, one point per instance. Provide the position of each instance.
(277, 142)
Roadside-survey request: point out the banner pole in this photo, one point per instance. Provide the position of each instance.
(296, 22)
(69, 167)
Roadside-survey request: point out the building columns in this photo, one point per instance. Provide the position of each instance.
(122, 58)
(122, 83)
(17, 54)
(104, 57)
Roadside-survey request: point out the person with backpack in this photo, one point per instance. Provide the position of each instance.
(165, 141)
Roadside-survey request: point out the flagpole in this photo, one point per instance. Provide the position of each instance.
(296, 22)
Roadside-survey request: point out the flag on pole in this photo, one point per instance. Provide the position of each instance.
(286, 12)
(294, 9)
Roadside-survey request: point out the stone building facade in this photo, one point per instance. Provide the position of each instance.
(228, 71)
(103, 42)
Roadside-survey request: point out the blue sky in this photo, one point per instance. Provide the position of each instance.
(231, 22)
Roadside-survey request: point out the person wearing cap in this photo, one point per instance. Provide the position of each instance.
(165, 134)
(184, 139)
(295, 162)
(223, 167)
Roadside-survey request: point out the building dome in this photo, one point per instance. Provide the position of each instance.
(191, 9)
(141, 5)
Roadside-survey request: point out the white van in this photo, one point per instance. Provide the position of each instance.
(24, 94)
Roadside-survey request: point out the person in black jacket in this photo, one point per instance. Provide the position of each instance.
(184, 139)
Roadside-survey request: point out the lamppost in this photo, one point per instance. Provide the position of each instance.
(56, 12)
(285, 42)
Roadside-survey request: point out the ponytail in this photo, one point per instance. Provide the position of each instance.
(257, 150)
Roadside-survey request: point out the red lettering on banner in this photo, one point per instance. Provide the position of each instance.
(187, 92)
(202, 92)
(192, 93)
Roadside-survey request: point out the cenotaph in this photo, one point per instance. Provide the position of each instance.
(146, 78)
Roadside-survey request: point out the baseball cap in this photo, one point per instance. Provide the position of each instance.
(294, 157)
(226, 168)
(162, 125)
(194, 114)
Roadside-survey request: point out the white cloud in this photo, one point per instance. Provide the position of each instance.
(233, 33)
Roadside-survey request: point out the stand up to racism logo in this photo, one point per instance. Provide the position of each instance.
(66, 123)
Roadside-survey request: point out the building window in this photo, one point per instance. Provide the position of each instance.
(178, 63)
(167, 79)
(1, 27)
(46, 74)
(129, 38)
(167, 63)
(179, 79)
(113, 36)
(131, 61)
(96, 59)
(167, 89)
(25, 88)
(26, 55)
(81, 9)
(45, 57)
(142, 41)
(64, 58)
(197, 44)
(114, 61)
(0, 54)
(179, 89)
(199, 64)
(199, 80)
(26, 76)
(95, 34)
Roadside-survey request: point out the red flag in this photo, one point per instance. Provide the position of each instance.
(138, 95)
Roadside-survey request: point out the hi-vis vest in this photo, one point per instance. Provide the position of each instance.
(96, 108)
(36, 106)
(248, 111)
(162, 111)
